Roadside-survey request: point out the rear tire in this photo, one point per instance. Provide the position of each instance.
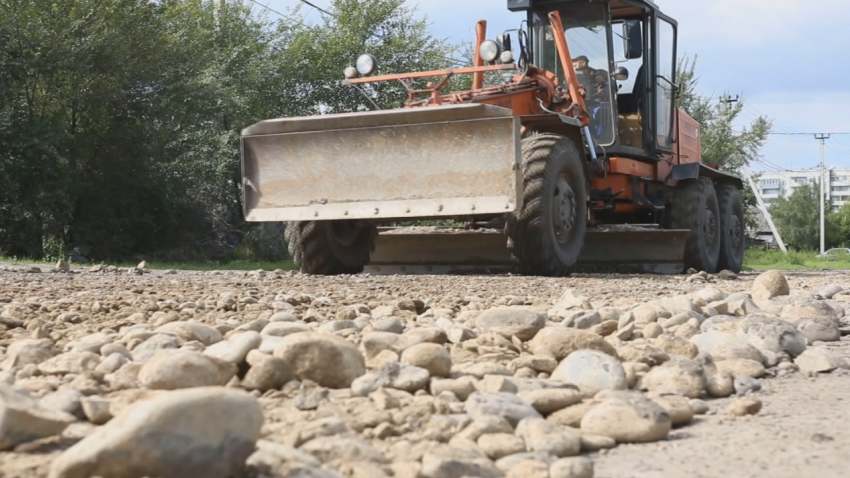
(732, 228)
(695, 207)
(330, 247)
(547, 233)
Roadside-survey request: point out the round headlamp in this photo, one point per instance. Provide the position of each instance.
(350, 73)
(489, 51)
(367, 65)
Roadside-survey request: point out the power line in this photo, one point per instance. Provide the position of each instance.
(272, 10)
(319, 8)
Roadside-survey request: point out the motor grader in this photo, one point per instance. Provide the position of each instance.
(574, 158)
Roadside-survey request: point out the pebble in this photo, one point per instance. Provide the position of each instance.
(741, 366)
(744, 406)
(770, 284)
(591, 371)
(393, 375)
(170, 435)
(511, 321)
(175, 369)
(817, 360)
(543, 436)
(432, 357)
(505, 405)
(628, 418)
(23, 420)
(326, 359)
(575, 467)
(682, 377)
(560, 342)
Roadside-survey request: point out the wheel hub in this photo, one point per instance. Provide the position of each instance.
(564, 210)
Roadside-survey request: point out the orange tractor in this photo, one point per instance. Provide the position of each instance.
(576, 158)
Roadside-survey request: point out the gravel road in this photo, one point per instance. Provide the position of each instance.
(132, 373)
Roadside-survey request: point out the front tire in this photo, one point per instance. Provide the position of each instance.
(330, 247)
(548, 231)
(732, 228)
(695, 207)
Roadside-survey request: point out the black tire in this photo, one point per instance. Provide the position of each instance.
(695, 207)
(330, 247)
(732, 228)
(547, 233)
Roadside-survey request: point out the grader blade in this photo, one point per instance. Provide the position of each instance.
(443, 251)
(442, 161)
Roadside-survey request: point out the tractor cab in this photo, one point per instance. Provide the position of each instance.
(624, 56)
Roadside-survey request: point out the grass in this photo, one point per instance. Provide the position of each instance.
(760, 259)
(240, 265)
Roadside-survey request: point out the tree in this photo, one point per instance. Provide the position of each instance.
(722, 144)
(798, 219)
(841, 221)
(120, 121)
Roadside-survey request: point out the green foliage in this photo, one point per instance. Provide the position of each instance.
(120, 120)
(798, 219)
(757, 259)
(841, 224)
(729, 148)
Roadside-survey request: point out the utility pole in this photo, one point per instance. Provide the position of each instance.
(822, 138)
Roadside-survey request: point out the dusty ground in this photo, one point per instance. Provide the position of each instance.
(800, 431)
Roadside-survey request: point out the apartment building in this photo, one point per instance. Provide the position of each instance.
(783, 183)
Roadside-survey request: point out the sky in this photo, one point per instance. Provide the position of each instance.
(786, 58)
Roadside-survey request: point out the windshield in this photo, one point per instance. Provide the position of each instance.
(587, 37)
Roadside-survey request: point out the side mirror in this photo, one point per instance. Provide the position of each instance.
(632, 39)
(621, 73)
(504, 41)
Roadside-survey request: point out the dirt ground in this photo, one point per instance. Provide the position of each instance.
(801, 431)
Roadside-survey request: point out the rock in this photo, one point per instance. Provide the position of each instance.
(325, 359)
(22, 419)
(745, 385)
(511, 321)
(176, 369)
(678, 407)
(153, 345)
(574, 467)
(342, 449)
(69, 362)
(390, 324)
(27, 352)
(111, 363)
(498, 445)
(391, 375)
(774, 335)
(548, 401)
(768, 285)
(581, 319)
(461, 387)
(572, 416)
(817, 360)
(744, 406)
(652, 330)
(505, 405)
(63, 266)
(700, 407)
(559, 342)
(719, 384)
(269, 373)
(432, 357)
(746, 367)
(591, 371)
(529, 469)
(829, 291)
(673, 345)
(236, 348)
(459, 468)
(642, 352)
(190, 331)
(96, 409)
(170, 435)
(276, 459)
(628, 418)
(540, 364)
(284, 328)
(66, 400)
(723, 346)
(797, 309)
(682, 377)
(590, 442)
(547, 437)
(485, 424)
(679, 304)
(819, 330)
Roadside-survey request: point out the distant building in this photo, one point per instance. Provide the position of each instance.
(782, 184)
